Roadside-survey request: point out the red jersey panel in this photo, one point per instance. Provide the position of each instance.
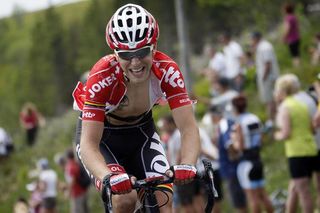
(106, 87)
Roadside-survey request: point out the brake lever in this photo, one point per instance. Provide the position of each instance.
(209, 175)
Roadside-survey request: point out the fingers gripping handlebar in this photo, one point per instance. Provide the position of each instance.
(206, 177)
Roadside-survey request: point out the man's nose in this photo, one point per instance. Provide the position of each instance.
(135, 60)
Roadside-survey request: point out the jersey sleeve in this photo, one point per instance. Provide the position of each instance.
(97, 90)
(174, 87)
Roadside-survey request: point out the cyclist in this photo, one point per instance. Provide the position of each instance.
(116, 132)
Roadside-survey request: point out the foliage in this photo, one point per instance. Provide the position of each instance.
(43, 55)
(54, 138)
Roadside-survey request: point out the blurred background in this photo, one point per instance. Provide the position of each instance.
(45, 50)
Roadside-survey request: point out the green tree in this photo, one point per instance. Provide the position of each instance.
(92, 40)
(47, 63)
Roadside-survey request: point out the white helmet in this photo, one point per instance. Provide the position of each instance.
(131, 27)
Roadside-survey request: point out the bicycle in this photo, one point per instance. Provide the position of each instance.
(150, 204)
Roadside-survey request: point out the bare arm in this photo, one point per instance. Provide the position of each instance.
(316, 119)
(90, 152)
(238, 140)
(267, 69)
(285, 30)
(190, 139)
(283, 123)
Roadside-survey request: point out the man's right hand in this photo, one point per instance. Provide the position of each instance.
(120, 184)
(118, 180)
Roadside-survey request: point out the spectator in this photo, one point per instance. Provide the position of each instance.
(166, 128)
(183, 196)
(21, 206)
(227, 166)
(246, 139)
(30, 121)
(48, 181)
(267, 71)
(315, 50)
(294, 124)
(189, 197)
(310, 99)
(291, 34)
(316, 120)
(77, 192)
(316, 123)
(223, 99)
(216, 67)
(234, 58)
(35, 199)
(6, 145)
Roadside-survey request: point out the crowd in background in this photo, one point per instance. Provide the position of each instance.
(231, 136)
(236, 134)
(46, 185)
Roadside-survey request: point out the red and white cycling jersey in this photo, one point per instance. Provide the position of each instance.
(106, 87)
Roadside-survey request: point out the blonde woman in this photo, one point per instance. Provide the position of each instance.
(295, 129)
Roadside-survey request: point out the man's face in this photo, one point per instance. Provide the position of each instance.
(215, 117)
(254, 43)
(136, 64)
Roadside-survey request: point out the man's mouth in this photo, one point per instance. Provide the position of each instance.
(139, 72)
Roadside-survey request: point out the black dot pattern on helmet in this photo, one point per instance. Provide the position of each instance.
(132, 24)
(120, 23)
(139, 20)
(129, 22)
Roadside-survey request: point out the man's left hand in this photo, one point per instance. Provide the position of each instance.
(183, 173)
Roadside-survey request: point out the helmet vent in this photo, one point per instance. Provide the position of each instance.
(139, 20)
(129, 22)
(129, 12)
(123, 34)
(144, 33)
(151, 33)
(119, 23)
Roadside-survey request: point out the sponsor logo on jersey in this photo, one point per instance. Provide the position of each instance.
(97, 87)
(173, 77)
(88, 115)
(185, 100)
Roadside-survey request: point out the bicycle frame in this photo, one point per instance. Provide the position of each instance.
(150, 204)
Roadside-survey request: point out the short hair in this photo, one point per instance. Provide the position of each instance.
(224, 82)
(289, 8)
(216, 109)
(226, 34)
(69, 154)
(43, 164)
(288, 84)
(256, 35)
(239, 103)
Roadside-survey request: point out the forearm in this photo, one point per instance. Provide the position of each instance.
(90, 151)
(93, 160)
(190, 138)
(267, 69)
(190, 146)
